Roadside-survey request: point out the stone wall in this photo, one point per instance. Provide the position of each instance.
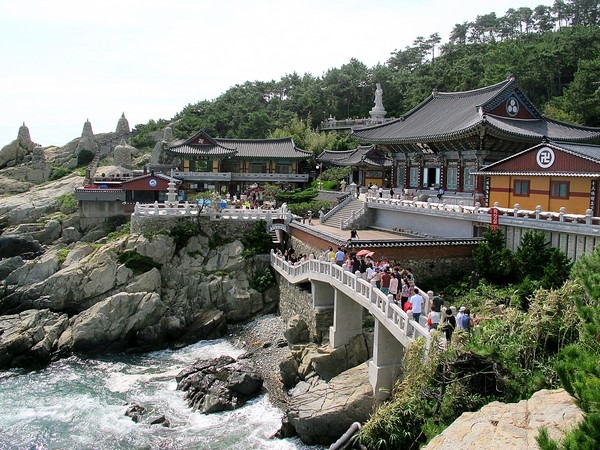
(297, 300)
(229, 229)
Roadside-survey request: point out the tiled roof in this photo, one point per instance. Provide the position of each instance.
(542, 128)
(204, 146)
(153, 175)
(364, 155)
(586, 151)
(458, 115)
(265, 148)
(204, 151)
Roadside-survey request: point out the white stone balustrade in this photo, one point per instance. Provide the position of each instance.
(514, 212)
(391, 322)
(191, 210)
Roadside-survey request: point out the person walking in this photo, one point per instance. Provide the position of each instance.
(394, 287)
(386, 278)
(339, 256)
(417, 305)
(449, 324)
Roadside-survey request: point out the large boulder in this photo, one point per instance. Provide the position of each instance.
(116, 323)
(14, 245)
(28, 339)
(321, 413)
(499, 426)
(327, 362)
(296, 330)
(219, 384)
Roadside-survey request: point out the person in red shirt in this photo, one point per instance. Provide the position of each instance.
(385, 282)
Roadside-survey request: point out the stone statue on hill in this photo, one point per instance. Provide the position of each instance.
(378, 111)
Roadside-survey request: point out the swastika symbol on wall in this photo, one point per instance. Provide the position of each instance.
(545, 157)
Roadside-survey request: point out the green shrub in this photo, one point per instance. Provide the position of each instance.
(84, 158)
(123, 230)
(136, 262)
(257, 241)
(62, 255)
(67, 203)
(297, 197)
(183, 231)
(263, 280)
(58, 172)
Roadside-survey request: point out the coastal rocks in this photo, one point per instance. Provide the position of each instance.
(515, 425)
(39, 201)
(297, 330)
(116, 323)
(28, 339)
(327, 362)
(219, 384)
(12, 245)
(320, 414)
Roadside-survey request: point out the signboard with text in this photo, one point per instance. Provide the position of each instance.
(494, 222)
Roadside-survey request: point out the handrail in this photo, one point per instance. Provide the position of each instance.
(503, 213)
(187, 209)
(388, 313)
(353, 217)
(336, 208)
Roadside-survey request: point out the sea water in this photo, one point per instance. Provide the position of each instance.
(80, 403)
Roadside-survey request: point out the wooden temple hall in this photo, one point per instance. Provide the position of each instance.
(446, 139)
(236, 165)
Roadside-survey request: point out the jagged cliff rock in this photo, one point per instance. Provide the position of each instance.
(37, 202)
(191, 294)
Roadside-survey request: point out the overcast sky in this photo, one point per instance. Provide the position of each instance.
(64, 61)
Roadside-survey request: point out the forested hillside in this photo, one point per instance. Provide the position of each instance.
(553, 51)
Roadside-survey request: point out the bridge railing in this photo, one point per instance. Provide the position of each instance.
(379, 305)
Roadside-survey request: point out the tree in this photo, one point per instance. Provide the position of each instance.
(493, 261)
(577, 364)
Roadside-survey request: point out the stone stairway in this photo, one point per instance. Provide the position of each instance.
(343, 213)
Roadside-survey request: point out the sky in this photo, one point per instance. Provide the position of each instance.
(66, 61)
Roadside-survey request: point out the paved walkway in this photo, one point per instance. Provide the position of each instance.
(363, 235)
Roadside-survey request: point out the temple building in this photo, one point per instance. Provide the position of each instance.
(236, 165)
(370, 165)
(552, 175)
(445, 140)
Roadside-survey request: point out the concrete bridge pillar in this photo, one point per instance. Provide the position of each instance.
(347, 320)
(322, 294)
(386, 365)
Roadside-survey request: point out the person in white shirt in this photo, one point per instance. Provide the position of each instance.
(417, 305)
(394, 287)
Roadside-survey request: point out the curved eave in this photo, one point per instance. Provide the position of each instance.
(538, 174)
(470, 131)
(214, 152)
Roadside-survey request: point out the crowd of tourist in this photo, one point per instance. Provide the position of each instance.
(398, 283)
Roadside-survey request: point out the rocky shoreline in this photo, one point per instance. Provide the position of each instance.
(263, 340)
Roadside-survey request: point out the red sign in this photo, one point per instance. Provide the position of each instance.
(494, 213)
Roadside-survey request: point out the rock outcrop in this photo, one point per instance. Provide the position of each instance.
(37, 202)
(183, 296)
(320, 414)
(28, 339)
(505, 426)
(219, 384)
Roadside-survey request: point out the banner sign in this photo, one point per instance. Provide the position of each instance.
(494, 213)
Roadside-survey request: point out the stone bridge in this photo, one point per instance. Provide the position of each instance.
(332, 286)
